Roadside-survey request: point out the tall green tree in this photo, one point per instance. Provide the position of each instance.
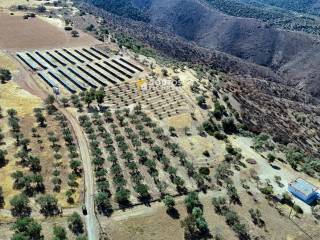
(49, 205)
(59, 233)
(20, 206)
(27, 228)
(75, 224)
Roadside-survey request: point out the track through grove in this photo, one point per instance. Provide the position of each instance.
(27, 83)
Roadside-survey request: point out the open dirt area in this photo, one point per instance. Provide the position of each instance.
(267, 171)
(197, 145)
(154, 223)
(7, 62)
(12, 96)
(19, 34)
(180, 121)
(9, 3)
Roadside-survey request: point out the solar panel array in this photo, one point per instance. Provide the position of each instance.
(78, 69)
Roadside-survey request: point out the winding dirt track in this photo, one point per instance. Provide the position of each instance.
(91, 220)
(25, 81)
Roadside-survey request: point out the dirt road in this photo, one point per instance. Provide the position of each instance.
(91, 220)
(24, 79)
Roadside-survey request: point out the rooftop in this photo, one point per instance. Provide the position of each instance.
(303, 186)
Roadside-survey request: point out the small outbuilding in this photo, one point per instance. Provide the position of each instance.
(303, 190)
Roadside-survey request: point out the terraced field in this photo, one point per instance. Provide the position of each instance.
(162, 103)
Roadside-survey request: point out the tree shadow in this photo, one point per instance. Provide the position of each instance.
(275, 167)
(173, 213)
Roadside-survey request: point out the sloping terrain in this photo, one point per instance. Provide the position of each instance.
(260, 85)
(272, 15)
(306, 6)
(293, 56)
(202, 146)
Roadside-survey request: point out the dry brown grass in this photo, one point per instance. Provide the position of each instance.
(154, 223)
(12, 96)
(9, 3)
(180, 121)
(7, 63)
(196, 145)
(7, 181)
(19, 34)
(45, 153)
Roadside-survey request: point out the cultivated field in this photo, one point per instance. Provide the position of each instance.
(149, 150)
(160, 101)
(12, 97)
(35, 33)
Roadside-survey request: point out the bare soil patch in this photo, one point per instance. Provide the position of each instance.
(195, 146)
(154, 223)
(9, 3)
(12, 96)
(19, 34)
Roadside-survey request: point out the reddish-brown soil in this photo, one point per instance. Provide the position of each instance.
(19, 34)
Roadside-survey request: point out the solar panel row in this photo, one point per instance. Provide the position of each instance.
(78, 69)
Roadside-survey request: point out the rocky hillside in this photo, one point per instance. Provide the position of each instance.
(294, 56)
(267, 101)
(290, 55)
(273, 16)
(306, 6)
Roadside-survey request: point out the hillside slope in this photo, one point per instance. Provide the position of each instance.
(306, 6)
(294, 56)
(272, 15)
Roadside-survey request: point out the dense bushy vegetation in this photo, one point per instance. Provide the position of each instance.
(195, 225)
(121, 7)
(5, 75)
(134, 45)
(273, 16)
(305, 6)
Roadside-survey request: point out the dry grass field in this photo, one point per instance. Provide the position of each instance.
(35, 33)
(197, 145)
(154, 223)
(9, 3)
(7, 62)
(13, 97)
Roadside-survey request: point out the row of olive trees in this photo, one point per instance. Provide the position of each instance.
(3, 160)
(231, 217)
(136, 177)
(173, 147)
(102, 198)
(32, 183)
(29, 228)
(195, 225)
(74, 163)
